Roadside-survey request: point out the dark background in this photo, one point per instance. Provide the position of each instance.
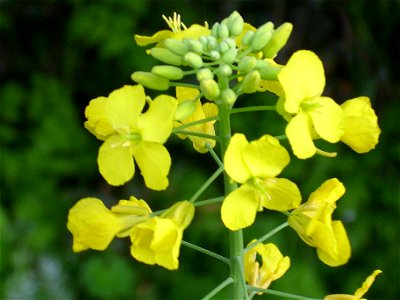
(58, 55)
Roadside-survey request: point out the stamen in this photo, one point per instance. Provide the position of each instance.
(175, 22)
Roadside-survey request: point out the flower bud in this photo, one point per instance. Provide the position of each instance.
(223, 31)
(270, 72)
(251, 82)
(177, 47)
(210, 89)
(215, 55)
(212, 43)
(228, 96)
(247, 38)
(169, 72)
(214, 30)
(204, 74)
(166, 56)
(185, 109)
(262, 36)
(229, 56)
(194, 60)
(235, 24)
(195, 46)
(181, 212)
(224, 46)
(278, 40)
(150, 80)
(247, 64)
(224, 70)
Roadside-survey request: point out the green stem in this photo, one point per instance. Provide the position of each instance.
(207, 184)
(198, 134)
(223, 284)
(209, 201)
(190, 124)
(205, 251)
(252, 108)
(235, 237)
(265, 237)
(214, 155)
(281, 294)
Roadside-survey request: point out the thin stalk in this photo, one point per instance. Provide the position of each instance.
(221, 286)
(205, 251)
(214, 155)
(198, 134)
(207, 184)
(281, 294)
(265, 237)
(209, 201)
(190, 124)
(252, 108)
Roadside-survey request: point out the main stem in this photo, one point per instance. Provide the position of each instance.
(235, 237)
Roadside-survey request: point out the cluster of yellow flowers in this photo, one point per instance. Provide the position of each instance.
(228, 60)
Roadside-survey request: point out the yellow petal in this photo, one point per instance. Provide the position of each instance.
(327, 118)
(239, 208)
(361, 130)
(154, 163)
(298, 132)
(330, 191)
(367, 284)
(92, 225)
(233, 160)
(280, 194)
(272, 86)
(185, 93)
(265, 157)
(143, 40)
(115, 160)
(124, 105)
(302, 78)
(141, 238)
(97, 120)
(181, 213)
(195, 31)
(155, 125)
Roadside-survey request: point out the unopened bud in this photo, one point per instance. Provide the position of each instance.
(229, 56)
(195, 46)
(224, 46)
(181, 213)
(251, 82)
(150, 80)
(262, 36)
(270, 72)
(166, 56)
(235, 24)
(278, 40)
(224, 70)
(223, 31)
(247, 64)
(214, 30)
(212, 43)
(177, 47)
(185, 109)
(169, 72)
(194, 60)
(204, 74)
(215, 55)
(247, 38)
(210, 89)
(228, 96)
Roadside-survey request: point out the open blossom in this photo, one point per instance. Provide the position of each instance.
(303, 81)
(255, 165)
(201, 111)
(313, 223)
(274, 265)
(128, 133)
(158, 240)
(94, 226)
(359, 292)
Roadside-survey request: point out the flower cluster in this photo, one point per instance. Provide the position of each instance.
(211, 68)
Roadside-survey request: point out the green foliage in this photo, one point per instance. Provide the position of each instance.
(57, 55)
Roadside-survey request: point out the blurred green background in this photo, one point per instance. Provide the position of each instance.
(57, 55)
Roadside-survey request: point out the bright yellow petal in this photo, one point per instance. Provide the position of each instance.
(185, 93)
(115, 160)
(97, 120)
(280, 194)
(302, 78)
(330, 191)
(155, 125)
(239, 208)
(272, 86)
(143, 40)
(195, 31)
(361, 129)
(124, 106)
(367, 284)
(327, 118)
(265, 157)
(233, 160)
(298, 132)
(92, 225)
(154, 163)
(141, 237)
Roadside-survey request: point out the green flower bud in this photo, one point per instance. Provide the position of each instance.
(166, 56)
(185, 109)
(195, 46)
(212, 43)
(151, 81)
(194, 60)
(169, 72)
(247, 64)
(223, 31)
(229, 56)
(215, 55)
(247, 38)
(210, 89)
(177, 47)
(203, 74)
(224, 70)
(262, 36)
(235, 24)
(270, 72)
(214, 30)
(228, 96)
(278, 40)
(224, 46)
(251, 82)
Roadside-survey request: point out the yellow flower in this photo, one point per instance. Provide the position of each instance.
(201, 111)
(273, 267)
(94, 226)
(178, 31)
(127, 132)
(303, 81)
(256, 165)
(157, 240)
(313, 223)
(361, 130)
(359, 292)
